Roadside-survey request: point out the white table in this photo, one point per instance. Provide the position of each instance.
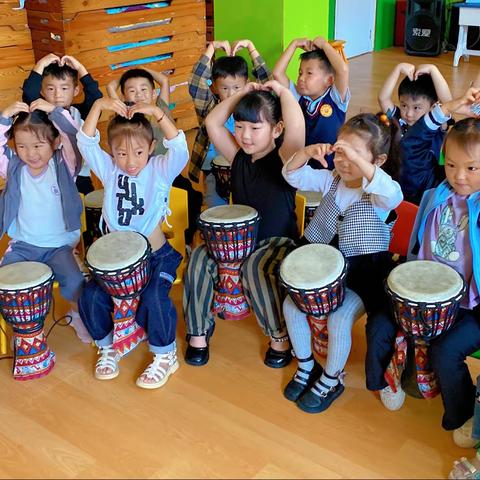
(468, 16)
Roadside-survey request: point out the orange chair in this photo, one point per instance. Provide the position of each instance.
(406, 213)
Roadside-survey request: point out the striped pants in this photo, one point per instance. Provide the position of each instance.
(259, 276)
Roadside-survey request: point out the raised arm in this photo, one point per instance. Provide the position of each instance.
(163, 120)
(440, 84)
(293, 120)
(90, 86)
(260, 69)
(111, 104)
(280, 69)
(162, 81)
(338, 64)
(385, 96)
(6, 153)
(32, 85)
(199, 82)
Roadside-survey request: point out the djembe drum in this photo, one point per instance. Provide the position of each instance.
(230, 233)
(221, 170)
(93, 213)
(312, 202)
(25, 298)
(120, 264)
(426, 297)
(314, 277)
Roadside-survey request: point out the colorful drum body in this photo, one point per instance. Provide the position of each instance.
(120, 264)
(221, 170)
(314, 277)
(426, 296)
(25, 299)
(313, 201)
(230, 233)
(93, 214)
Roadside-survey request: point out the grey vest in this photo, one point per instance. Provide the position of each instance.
(360, 231)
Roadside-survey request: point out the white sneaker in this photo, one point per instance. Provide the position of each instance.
(462, 436)
(391, 400)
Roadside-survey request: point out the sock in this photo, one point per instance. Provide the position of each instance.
(326, 382)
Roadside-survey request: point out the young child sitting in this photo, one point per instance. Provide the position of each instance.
(137, 187)
(40, 207)
(56, 80)
(212, 82)
(353, 216)
(138, 85)
(321, 89)
(453, 205)
(423, 130)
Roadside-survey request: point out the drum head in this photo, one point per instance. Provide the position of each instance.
(313, 198)
(23, 275)
(227, 214)
(94, 199)
(116, 250)
(425, 281)
(220, 161)
(312, 266)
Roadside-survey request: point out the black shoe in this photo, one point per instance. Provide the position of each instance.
(198, 356)
(276, 359)
(298, 385)
(316, 401)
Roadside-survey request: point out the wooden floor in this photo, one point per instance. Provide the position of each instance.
(229, 418)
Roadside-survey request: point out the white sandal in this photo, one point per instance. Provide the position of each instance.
(109, 358)
(156, 372)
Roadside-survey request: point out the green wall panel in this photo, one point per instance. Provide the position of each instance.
(384, 24)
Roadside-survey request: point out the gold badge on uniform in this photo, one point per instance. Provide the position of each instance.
(326, 110)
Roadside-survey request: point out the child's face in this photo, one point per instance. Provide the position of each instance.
(34, 151)
(257, 139)
(349, 171)
(228, 86)
(138, 90)
(59, 91)
(313, 79)
(131, 153)
(462, 168)
(413, 109)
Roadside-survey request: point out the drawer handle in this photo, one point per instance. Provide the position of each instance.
(44, 21)
(56, 37)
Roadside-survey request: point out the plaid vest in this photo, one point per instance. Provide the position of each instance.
(360, 231)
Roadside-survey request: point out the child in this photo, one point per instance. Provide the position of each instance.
(423, 132)
(138, 85)
(56, 80)
(321, 89)
(136, 199)
(256, 154)
(459, 196)
(211, 83)
(40, 207)
(363, 195)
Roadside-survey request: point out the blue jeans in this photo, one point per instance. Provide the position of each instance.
(156, 312)
(447, 354)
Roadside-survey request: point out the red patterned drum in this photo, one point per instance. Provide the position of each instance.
(120, 264)
(25, 298)
(314, 276)
(230, 233)
(426, 297)
(221, 170)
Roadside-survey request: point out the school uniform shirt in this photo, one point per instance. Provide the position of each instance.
(447, 240)
(135, 203)
(40, 219)
(260, 185)
(323, 118)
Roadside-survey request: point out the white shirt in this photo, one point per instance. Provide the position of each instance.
(386, 193)
(40, 219)
(135, 203)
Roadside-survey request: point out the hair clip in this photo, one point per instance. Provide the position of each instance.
(384, 119)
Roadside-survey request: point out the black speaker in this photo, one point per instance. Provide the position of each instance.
(424, 27)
